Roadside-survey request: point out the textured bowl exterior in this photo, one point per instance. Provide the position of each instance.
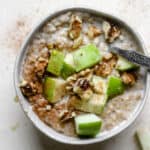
(51, 133)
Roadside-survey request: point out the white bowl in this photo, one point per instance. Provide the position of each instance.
(47, 130)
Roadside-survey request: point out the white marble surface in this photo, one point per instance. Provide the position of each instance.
(16, 131)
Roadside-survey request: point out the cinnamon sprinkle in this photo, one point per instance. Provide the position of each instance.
(17, 33)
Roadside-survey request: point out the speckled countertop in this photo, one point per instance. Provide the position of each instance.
(17, 18)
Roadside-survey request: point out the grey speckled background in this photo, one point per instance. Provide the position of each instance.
(16, 131)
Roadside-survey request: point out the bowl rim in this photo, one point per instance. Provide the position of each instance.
(27, 109)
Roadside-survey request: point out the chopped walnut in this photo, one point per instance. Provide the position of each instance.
(93, 32)
(82, 88)
(86, 74)
(83, 84)
(111, 32)
(108, 56)
(40, 66)
(114, 33)
(113, 61)
(128, 78)
(80, 85)
(26, 89)
(75, 27)
(105, 67)
(31, 88)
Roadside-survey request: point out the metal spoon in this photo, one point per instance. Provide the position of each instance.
(132, 56)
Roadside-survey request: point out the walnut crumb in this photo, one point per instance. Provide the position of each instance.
(111, 32)
(108, 56)
(93, 32)
(128, 78)
(105, 67)
(75, 27)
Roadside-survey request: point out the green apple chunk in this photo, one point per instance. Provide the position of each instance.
(143, 136)
(86, 57)
(87, 125)
(115, 86)
(53, 89)
(68, 66)
(55, 63)
(124, 65)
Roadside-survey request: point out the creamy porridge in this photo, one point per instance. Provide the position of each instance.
(74, 84)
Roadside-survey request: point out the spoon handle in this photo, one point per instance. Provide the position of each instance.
(133, 56)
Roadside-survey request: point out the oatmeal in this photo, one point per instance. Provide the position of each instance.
(72, 80)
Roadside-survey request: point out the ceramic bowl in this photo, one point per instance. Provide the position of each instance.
(47, 130)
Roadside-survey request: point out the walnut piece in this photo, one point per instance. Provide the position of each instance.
(128, 78)
(83, 84)
(107, 56)
(114, 33)
(31, 88)
(111, 32)
(40, 66)
(105, 67)
(93, 32)
(82, 88)
(71, 81)
(75, 27)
